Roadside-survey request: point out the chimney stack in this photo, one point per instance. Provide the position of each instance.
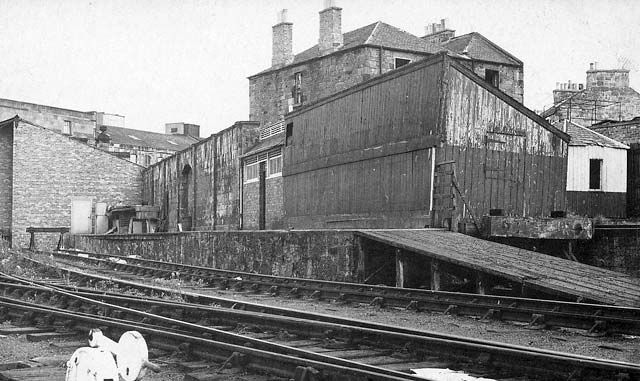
(282, 43)
(438, 33)
(330, 38)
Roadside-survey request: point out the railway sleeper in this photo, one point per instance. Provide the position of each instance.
(492, 314)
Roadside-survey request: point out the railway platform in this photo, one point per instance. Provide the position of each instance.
(485, 264)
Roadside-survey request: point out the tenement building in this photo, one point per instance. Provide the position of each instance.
(336, 63)
(342, 60)
(606, 95)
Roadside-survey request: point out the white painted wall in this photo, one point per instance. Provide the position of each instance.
(614, 168)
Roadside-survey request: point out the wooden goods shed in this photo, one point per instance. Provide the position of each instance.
(430, 144)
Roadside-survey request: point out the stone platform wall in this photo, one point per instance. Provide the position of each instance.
(328, 255)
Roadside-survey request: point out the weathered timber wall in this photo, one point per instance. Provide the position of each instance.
(364, 158)
(500, 155)
(330, 255)
(200, 186)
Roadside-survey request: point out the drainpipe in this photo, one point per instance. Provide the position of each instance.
(379, 60)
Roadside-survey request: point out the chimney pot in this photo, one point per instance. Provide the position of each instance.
(595, 65)
(557, 85)
(580, 86)
(591, 66)
(282, 16)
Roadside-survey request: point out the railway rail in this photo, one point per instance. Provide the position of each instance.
(595, 319)
(299, 345)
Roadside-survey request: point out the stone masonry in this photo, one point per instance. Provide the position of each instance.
(50, 117)
(269, 93)
(50, 169)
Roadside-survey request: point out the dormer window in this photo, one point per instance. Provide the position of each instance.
(66, 128)
(400, 62)
(492, 77)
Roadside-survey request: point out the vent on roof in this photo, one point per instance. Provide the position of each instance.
(272, 130)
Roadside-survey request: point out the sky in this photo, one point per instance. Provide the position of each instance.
(163, 61)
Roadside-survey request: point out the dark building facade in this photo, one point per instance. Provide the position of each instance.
(430, 144)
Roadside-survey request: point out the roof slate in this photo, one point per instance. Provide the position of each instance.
(583, 136)
(120, 135)
(377, 34)
(478, 47)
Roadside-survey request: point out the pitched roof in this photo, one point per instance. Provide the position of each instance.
(376, 34)
(478, 47)
(128, 136)
(266, 144)
(583, 136)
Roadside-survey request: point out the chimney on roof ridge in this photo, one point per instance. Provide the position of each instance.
(282, 41)
(438, 33)
(330, 36)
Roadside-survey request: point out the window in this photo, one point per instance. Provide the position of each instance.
(174, 130)
(296, 91)
(595, 174)
(400, 62)
(272, 164)
(288, 134)
(492, 77)
(66, 129)
(251, 172)
(275, 165)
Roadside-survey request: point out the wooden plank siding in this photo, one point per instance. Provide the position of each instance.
(364, 157)
(504, 158)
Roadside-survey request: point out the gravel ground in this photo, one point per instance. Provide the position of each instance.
(618, 347)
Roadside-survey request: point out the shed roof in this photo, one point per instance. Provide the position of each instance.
(128, 136)
(583, 136)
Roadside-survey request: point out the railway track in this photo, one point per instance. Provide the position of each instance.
(336, 351)
(595, 319)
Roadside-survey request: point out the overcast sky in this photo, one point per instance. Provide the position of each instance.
(188, 61)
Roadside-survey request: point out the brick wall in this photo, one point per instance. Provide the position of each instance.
(330, 255)
(50, 117)
(274, 206)
(50, 169)
(269, 93)
(6, 170)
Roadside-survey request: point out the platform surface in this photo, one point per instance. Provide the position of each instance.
(531, 269)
